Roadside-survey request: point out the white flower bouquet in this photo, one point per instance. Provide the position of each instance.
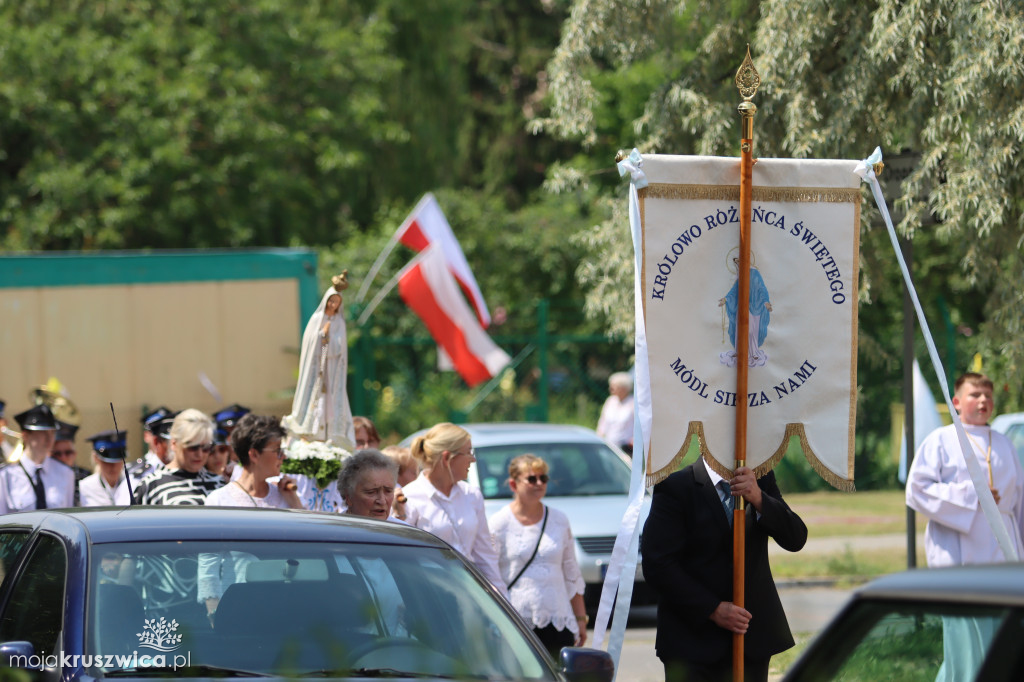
(316, 459)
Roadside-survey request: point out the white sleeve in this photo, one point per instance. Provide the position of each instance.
(574, 583)
(482, 550)
(5, 490)
(937, 491)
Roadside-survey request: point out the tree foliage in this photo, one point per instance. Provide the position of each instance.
(941, 77)
(142, 124)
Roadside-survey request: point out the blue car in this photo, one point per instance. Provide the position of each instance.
(145, 592)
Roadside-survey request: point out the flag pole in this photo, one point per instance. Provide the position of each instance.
(747, 81)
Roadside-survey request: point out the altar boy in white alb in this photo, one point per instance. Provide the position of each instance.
(940, 487)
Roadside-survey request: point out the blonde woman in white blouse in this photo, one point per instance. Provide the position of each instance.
(441, 502)
(537, 558)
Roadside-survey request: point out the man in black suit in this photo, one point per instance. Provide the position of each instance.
(687, 558)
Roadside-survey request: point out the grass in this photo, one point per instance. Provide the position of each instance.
(780, 662)
(850, 567)
(833, 513)
(857, 516)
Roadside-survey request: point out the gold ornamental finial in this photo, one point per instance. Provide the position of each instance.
(747, 78)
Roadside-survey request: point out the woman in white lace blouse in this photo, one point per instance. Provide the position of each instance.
(537, 558)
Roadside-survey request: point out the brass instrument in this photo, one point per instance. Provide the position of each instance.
(63, 409)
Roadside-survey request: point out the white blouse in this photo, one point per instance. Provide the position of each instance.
(94, 491)
(234, 495)
(314, 499)
(542, 593)
(458, 518)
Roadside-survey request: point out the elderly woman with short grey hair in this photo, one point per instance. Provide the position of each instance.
(367, 484)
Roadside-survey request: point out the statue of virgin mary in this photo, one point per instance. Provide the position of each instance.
(320, 408)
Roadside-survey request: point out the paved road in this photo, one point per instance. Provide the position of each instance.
(808, 610)
(809, 606)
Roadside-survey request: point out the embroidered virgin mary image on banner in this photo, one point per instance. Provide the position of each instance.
(802, 315)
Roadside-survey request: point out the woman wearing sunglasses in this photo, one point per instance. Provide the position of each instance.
(441, 502)
(537, 558)
(184, 481)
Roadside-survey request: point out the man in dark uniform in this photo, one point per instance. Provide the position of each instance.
(687, 558)
(159, 453)
(64, 451)
(229, 416)
(36, 480)
(226, 420)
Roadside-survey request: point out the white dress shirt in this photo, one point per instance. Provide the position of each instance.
(457, 518)
(94, 491)
(17, 493)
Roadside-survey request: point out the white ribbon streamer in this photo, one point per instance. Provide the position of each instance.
(980, 479)
(622, 569)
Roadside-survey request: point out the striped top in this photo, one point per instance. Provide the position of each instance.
(177, 487)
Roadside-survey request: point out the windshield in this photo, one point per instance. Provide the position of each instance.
(574, 469)
(295, 608)
(899, 641)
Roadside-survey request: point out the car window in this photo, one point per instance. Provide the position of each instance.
(288, 608)
(1016, 435)
(35, 609)
(574, 469)
(11, 544)
(900, 642)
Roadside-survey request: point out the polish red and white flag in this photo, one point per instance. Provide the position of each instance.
(427, 225)
(428, 287)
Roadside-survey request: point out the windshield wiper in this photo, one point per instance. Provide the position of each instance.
(190, 671)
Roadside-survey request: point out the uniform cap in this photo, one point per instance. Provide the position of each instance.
(151, 418)
(227, 417)
(162, 428)
(36, 418)
(66, 431)
(109, 446)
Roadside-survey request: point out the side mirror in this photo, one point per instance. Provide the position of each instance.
(580, 664)
(17, 655)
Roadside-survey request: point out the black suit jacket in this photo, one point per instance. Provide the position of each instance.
(687, 557)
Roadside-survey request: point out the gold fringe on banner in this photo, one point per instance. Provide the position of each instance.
(656, 477)
(792, 429)
(828, 195)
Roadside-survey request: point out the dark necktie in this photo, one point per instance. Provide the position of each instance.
(37, 485)
(725, 494)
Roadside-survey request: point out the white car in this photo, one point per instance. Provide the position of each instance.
(1012, 425)
(589, 483)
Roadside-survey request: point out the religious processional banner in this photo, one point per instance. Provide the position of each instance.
(802, 356)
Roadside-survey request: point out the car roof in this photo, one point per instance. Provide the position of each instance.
(1004, 421)
(1000, 584)
(146, 523)
(512, 433)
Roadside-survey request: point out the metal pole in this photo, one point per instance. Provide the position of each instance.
(908, 397)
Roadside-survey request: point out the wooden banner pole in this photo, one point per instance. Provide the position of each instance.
(747, 81)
